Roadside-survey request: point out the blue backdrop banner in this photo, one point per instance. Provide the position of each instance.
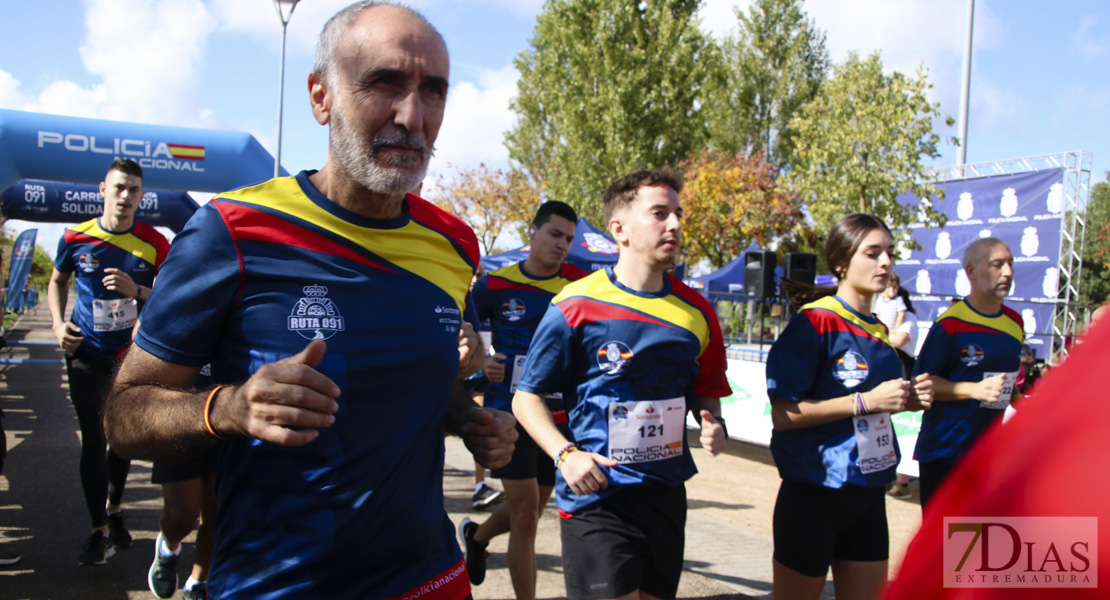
(1026, 211)
(23, 251)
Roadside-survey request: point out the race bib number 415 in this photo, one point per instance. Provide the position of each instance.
(646, 431)
(114, 315)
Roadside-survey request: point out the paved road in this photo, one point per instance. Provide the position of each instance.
(42, 512)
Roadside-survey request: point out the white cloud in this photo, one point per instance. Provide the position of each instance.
(995, 108)
(147, 55)
(718, 17)
(10, 96)
(477, 115)
(1086, 43)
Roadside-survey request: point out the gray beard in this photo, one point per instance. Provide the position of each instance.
(357, 158)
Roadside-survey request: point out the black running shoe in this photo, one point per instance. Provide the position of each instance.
(97, 549)
(162, 577)
(118, 532)
(199, 592)
(475, 553)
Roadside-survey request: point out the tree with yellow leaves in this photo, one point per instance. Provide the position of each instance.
(491, 201)
(728, 201)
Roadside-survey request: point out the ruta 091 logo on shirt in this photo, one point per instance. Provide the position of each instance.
(850, 370)
(512, 309)
(613, 357)
(314, 316)
(87, 263)
(971, 355)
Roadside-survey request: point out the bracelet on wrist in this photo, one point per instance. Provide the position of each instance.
(564, 452)
(859, 407)
(207, 413)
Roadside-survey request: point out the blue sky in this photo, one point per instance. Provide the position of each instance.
(1039, 72)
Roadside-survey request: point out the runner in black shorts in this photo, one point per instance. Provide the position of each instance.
(514, 299)
(633, 539)
(834, 380)
(188, 492)
(632, 349)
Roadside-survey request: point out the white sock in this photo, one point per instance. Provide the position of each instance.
(191, 583)
(164, 548)
(478, 486)
(115, 512)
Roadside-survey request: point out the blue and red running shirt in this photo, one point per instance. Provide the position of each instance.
(964, 345)
(514, 302)
(88, 249)
(828, 350)
(626, 363)
(359, 512)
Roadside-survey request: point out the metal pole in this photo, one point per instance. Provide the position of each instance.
(281, 79)
(965, 89)
(281, 100)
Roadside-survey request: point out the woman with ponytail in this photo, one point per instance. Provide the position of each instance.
(834, 380)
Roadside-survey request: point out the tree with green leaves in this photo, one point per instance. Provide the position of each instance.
(491, 201)
(863, 141)
(769, 70)
(607, 87)
(731, 200)
(1095, 286)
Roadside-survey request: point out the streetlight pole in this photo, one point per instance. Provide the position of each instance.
(965, 91)
(285, 17)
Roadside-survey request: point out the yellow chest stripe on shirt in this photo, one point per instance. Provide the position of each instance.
(669, 309)
(412, 247)
(128, 243)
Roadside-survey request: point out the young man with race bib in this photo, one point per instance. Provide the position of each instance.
(631, 348)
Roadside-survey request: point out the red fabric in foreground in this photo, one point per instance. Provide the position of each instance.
(1049, 460)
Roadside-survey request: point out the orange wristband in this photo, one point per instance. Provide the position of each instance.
(208, 411)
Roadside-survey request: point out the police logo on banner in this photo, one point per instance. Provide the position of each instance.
(1029, 321)
(905, 250)
(314, 316)
(1009, 204)
(971, 355)
(963, 285)
(944, 245)
(924, 285)
(613, 357)
(850, 370)
(512, 309)
(1055, 200)
(1030, 243)
(965, 208)
(1051, 284)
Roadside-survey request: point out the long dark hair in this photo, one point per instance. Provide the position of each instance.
(844, 239)
(905, 294)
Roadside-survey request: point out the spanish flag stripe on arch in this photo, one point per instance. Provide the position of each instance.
(186, 152)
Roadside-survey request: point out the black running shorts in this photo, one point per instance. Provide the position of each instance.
(528, 462)
(632, 540)
(190, 468)
(815, 525)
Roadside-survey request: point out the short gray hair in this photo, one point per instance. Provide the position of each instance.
(979, 248)
(340, 21)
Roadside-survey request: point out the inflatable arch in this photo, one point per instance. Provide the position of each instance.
(43, 150)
